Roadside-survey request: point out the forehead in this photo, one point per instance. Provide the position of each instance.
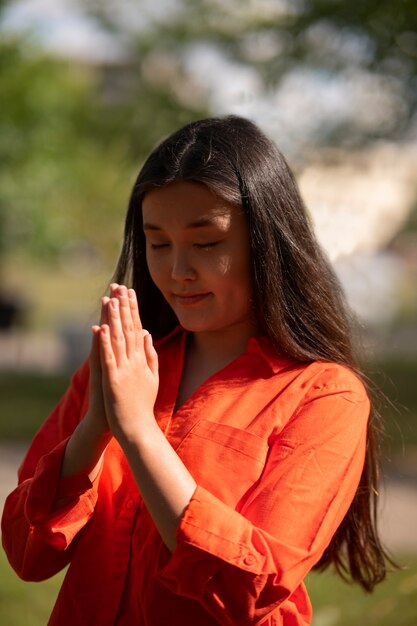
(186, 203)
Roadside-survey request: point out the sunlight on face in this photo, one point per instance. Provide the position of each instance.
(197, 250)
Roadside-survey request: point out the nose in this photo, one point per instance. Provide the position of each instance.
(182, 268)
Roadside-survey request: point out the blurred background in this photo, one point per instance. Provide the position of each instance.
(88, 87)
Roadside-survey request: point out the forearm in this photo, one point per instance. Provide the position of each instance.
(89, 440)
(85, 449)
(163, 480)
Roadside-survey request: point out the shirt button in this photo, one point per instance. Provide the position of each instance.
(250, 559)
(130, 504)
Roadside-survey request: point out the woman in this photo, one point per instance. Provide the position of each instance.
(198, 481)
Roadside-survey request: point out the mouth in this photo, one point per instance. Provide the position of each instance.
(185, 299)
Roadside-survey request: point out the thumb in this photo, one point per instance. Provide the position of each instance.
(151, 355)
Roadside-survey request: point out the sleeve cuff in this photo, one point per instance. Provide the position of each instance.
(210, 525)
(59, 525)
(73, 486)
(209, 534)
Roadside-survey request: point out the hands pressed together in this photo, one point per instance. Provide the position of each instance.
(123, 368)
(123, 389)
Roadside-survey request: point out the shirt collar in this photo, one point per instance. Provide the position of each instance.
(261, 347)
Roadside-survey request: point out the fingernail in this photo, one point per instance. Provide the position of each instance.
(131, 293)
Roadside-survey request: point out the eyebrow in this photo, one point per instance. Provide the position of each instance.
(200, 223)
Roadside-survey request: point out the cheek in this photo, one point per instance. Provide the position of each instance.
(156, 269)
(236, 274)
(224, 265)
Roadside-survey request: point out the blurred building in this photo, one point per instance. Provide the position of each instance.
(359, 202)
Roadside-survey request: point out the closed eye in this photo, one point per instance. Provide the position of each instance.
(201, 246)
(207, 246)
(157, 246)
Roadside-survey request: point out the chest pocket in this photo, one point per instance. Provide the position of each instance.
(225, 460)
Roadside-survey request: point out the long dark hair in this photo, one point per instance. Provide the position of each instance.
(298, 301)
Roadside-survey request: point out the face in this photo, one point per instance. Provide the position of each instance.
(197, 250)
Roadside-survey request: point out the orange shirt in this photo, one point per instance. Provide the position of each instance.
(276, 448)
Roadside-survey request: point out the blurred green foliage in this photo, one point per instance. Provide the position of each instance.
(26, 401)
(396, 378)
(68, 154)
(58, 182)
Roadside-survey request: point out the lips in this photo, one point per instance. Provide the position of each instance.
(190, 298)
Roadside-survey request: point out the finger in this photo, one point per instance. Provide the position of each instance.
(107, 356)
(151, 355)
(95, 367)
(126, 320)
(113, 289)
(103, 314)
(137, 323)
(116, 331)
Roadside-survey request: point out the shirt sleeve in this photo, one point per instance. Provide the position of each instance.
(37, 531)
(241, 564)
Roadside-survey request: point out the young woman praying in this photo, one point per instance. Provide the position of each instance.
(217, 444)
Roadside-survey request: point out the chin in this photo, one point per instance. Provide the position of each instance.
(196, 327)
(196, 324)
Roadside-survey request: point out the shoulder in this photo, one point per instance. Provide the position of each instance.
(321, 377)
(331, 398)
(308, 378)
(329, 402)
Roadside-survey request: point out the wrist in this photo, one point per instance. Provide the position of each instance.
(145, 433)
(95, 428)
(85, 450)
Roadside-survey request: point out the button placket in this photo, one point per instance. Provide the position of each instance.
(124, 527)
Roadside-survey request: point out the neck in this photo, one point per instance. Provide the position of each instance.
(221, 346)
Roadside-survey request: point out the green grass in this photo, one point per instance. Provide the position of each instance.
(25, 604)
(393, 603)
(335, 603)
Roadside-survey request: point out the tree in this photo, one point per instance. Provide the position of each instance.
(57, 179)
(366, 50)
(68, 152)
